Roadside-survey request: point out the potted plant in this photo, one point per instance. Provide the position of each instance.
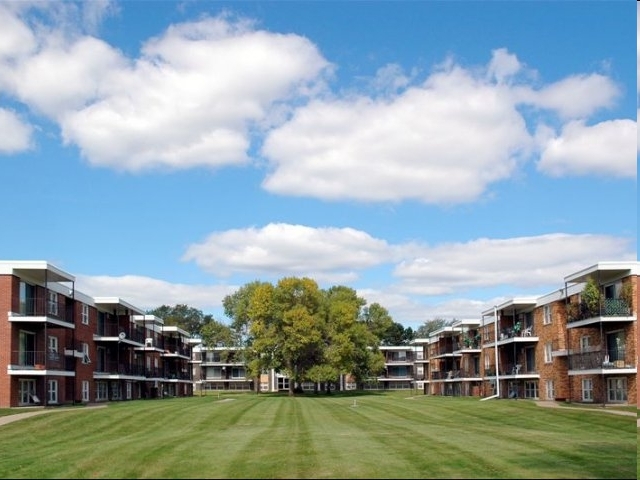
(591, 298)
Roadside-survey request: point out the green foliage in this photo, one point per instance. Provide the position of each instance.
(188, 318)
(591, 297)
(431, 326)
(307, 333)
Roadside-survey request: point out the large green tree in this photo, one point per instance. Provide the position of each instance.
(188, 318)
(429, 326)
(305, 332)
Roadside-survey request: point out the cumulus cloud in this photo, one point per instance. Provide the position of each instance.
(149, 293)
(607, 148)
(443, 141)
(16, 134)
(191, 99)
(325, 254)
(340, 255)
(524, 262)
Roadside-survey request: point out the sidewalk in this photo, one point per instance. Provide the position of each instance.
(552, 404)
(4, 420)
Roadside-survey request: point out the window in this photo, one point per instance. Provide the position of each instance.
(585, 343)
(52, 391)
(546, 314)
(85, 354)
(548, 348)
(128, 390)
(550, 390)
(587, 390)
(85, 390)
(617, 390)
(237, 372)
(27, 392)
(101, 391)
(530, 389)
(52, 303)
(84, 314)
(115, 391)
(53, 344)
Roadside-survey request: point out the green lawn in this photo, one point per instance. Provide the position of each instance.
(375, 435)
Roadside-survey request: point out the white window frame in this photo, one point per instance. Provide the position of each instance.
(550, 389)
(128, 390)
(530, 389)
(52, 303)
(85, 391)
(102, 391)
(546, 314)
(52, 391)
(53, 344)
(84, 314)
(587, 390)
(27, 391)
(585, 343)
(617, 390)
(86, 360)
(548, 355)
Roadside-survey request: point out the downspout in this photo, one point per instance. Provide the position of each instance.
(495, 328)
(567, 344)
(45, 392)
(495, 349)
(602, 343)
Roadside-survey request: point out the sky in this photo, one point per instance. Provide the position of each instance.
(437, 157)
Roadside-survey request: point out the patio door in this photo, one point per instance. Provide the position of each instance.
(616, 390)
(27, 349)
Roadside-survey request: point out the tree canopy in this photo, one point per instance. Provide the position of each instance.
(188, 318)
(308, 333)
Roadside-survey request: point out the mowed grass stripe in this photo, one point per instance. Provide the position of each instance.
(390, 435)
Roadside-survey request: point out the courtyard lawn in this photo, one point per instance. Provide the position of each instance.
(363, 435)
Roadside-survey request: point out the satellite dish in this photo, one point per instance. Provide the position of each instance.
(122, 335)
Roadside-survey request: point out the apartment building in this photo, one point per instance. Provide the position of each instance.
(60, 346)
(571, 344)
(400, 367)
(452, 359)
(219, 368)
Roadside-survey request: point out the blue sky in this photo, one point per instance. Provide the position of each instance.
(438, 157)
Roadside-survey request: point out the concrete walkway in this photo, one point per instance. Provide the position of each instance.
(605, 410)
(5, 419)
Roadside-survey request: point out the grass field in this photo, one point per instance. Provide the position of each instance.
(372, 435)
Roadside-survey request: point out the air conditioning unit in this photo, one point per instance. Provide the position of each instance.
(148, 342)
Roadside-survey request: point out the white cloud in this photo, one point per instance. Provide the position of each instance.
(343, 255)
(444, 141)
(276, 250)
(607, 148)
(524, 262)
(576, 96)
(16, 135)
(149, 293)
(190, 100)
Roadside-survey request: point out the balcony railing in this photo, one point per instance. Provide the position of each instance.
(609, 307)
(606, 359)
(43, 307)
(41, 360)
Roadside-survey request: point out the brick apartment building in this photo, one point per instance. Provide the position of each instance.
(59, 346)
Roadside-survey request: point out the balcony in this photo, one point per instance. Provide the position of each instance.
(42, 308)
(609, 307)
(39, 360)
(616, 359)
